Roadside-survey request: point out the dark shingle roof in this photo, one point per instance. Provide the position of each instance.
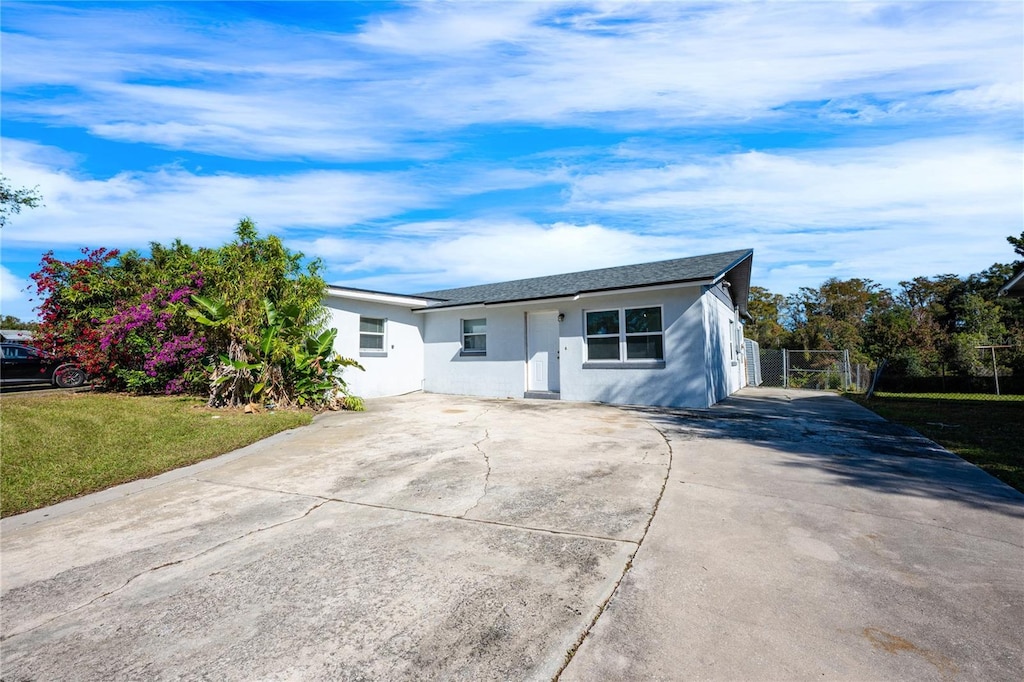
(678, 270)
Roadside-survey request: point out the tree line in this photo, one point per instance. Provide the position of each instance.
(927, 323)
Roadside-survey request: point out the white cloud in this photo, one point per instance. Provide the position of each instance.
(10, 285)
(887, 212)
(13, 300)
(249, 89)
(134, 208)
(929, 183)
(457, 253)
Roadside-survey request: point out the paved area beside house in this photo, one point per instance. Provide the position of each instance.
(780, 535)
(802, 537)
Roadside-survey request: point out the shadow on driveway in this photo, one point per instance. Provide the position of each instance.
(850, 444)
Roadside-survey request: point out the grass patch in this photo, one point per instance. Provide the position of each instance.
(988, 433)
(59, 446)
(955, 397)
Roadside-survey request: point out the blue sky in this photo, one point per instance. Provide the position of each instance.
(429, 145)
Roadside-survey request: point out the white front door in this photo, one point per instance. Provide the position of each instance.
(542, 340)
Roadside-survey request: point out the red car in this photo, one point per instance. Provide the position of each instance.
(27, 365)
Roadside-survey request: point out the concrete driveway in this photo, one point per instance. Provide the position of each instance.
(781, 535)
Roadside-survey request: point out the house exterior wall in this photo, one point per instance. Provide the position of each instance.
(703, 353)
(401, 369)
(501, 373)
(680, 382)
(723, 350)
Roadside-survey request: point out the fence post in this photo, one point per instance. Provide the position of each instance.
(874, 377)
(846, 369)
(995, 368)
(785, 368)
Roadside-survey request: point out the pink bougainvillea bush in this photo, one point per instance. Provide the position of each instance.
(132, 323)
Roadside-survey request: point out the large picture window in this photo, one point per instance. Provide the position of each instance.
(371, 334)
(625, 334)
(474, 336)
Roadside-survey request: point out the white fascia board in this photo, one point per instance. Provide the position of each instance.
(375, 297)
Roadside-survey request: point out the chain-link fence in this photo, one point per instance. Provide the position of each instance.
(814, 369)
(996, 371)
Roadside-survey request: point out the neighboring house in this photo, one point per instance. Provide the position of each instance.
(16, 335)
(1015, 287)
(668, 333)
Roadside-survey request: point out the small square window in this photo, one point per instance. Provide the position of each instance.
(371, 334)
(474, 336)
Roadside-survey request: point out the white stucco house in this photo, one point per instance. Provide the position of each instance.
(668, 333)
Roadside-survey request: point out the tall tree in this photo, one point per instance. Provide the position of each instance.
(13, 199)
(765, 308)
(1017, 243)
(834, 315)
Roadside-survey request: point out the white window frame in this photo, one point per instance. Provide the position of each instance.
(479, 352)
(383, 334)
(624, 336)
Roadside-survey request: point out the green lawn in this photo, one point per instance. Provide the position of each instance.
(55, 447)
(955, 397)
(988, 432)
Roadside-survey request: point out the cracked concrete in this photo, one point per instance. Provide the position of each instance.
(780, 535)
(428, 537)
(487, 476)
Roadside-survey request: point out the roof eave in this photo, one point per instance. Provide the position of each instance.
(378, 297)
(569, 297)
(1015, 287)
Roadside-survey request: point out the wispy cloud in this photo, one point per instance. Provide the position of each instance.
(250, 89)
(926, 182)
(11, 293)
(134, 208)
(420, 257)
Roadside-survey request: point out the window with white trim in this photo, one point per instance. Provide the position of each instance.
(474, 336)
(371, 334)
(631, 334)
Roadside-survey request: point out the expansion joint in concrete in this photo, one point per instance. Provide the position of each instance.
(629, 562)
(437, 515)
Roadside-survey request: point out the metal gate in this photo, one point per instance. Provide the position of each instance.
(815, 369)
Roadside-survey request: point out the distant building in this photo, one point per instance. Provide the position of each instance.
(16, 335)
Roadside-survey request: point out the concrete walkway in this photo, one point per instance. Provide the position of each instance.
(781, 535)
